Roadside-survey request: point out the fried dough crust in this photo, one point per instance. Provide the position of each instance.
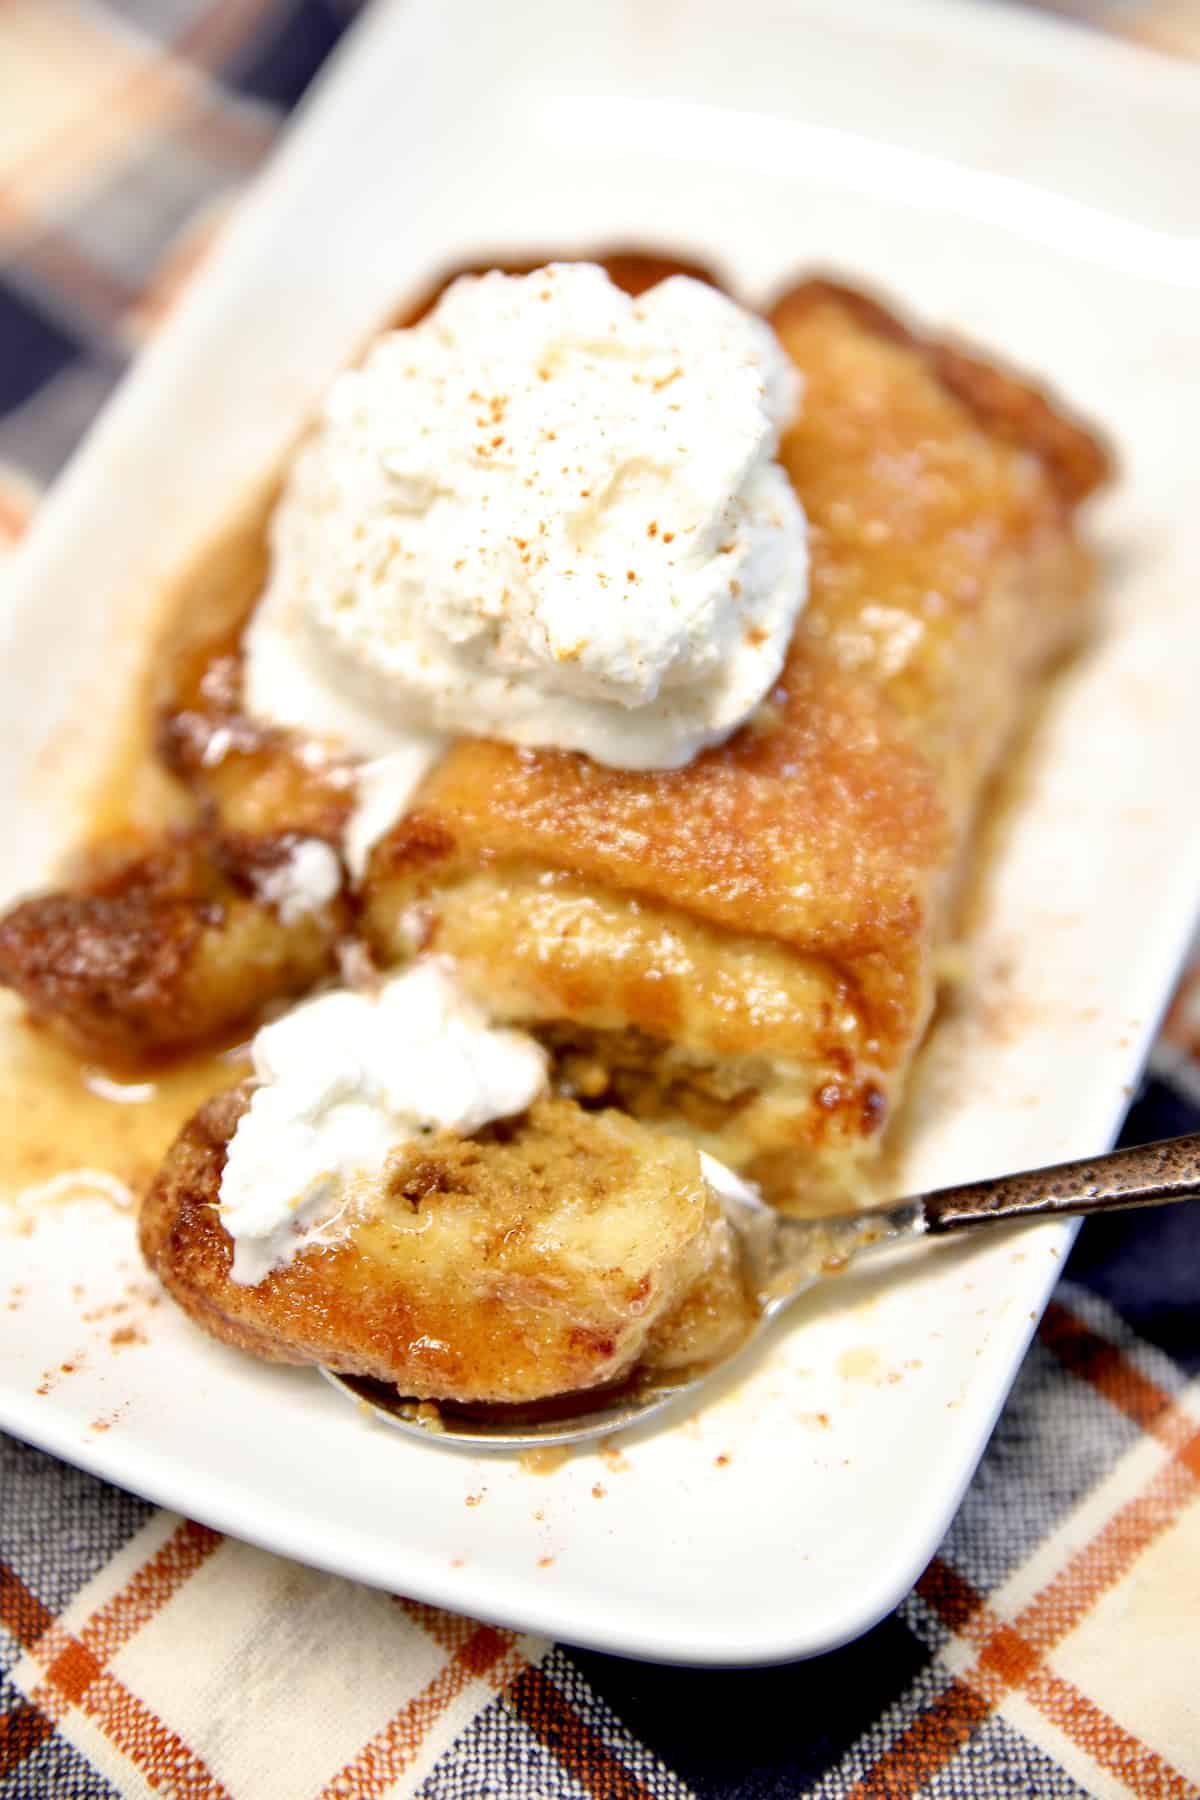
(832, 829)
(166, 950)
(250, 777)
(548, 1255)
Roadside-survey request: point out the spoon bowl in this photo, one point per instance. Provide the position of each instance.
(784, 1258)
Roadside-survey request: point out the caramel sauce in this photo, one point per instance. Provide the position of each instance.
(59, 1118)
(133, 797)
(544, 1462)
(137, 798)
(64, 1114)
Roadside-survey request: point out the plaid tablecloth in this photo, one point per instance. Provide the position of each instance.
(1052, 1646)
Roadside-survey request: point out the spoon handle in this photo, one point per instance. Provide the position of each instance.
(1147, 1175)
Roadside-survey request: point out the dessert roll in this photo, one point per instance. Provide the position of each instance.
(547, 1254)
(745, 947)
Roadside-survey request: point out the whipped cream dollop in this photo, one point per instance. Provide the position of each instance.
(547, 513)
(307, 879)
(344, 1080)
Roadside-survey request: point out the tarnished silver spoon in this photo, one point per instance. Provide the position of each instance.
(785, 1257)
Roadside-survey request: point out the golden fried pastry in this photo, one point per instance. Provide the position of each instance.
(161, 951)
(745, 947)
(254, 779)
(550, 1254)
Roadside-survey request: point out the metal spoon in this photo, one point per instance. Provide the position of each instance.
(785, 1257)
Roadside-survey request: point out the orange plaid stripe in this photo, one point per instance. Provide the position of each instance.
(484, 1651)
(175, 273)
(159, 90)
(21, 1733)
(55, 261)
(76, 1675)
(1011, 1656)
(232, 137)
(26, 1620)
(16, 507)
(1169, 25)
(149, 1589)
(541, 1705)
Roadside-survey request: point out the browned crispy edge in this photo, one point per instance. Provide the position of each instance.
(1012, 408)
(153, 953)
(177, 1230)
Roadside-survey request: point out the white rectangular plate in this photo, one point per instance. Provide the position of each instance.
(1027, 184)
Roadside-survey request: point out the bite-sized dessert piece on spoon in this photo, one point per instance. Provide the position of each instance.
(785, 1257)
(325, 1218)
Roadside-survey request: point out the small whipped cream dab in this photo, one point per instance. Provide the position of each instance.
(385, 786)
(344, 1080)
(308, 879)
(547, 513)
